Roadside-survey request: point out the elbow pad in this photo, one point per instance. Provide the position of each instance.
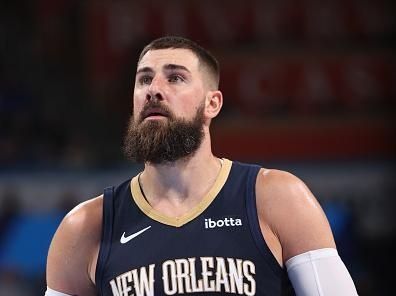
(320, 273)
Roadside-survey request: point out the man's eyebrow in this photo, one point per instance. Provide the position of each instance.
(175, 67)
(165, 67)
(145, 70)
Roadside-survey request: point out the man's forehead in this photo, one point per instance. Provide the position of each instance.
(158, 58)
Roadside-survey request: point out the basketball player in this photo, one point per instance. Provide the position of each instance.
(190, 222)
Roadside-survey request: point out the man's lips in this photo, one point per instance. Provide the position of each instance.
(154, 113)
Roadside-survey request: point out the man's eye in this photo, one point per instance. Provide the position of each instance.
(145, 79)
(175, 78)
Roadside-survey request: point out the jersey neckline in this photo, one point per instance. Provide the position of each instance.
(145, 207)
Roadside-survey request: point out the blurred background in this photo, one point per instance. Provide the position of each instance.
(309, 87)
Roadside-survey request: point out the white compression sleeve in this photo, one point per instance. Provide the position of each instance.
(320, 273)
(51, 292)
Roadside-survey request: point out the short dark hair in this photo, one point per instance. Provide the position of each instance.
(204, 56)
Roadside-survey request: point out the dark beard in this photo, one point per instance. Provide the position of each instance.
(163, 141)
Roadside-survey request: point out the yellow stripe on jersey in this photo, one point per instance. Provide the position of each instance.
(146, 208)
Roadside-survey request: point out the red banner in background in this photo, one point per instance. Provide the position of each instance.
(116, 30)
(311, 139)
(298, 84)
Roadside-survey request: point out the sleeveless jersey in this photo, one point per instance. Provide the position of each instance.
(215, 249)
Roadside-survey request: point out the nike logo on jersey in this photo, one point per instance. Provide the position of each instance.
(125, 239)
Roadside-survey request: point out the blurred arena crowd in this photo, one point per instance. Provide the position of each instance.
(309, 86)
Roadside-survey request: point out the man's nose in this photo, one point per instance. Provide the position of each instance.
(155, 90)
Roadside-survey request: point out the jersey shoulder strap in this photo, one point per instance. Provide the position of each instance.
(107, 229)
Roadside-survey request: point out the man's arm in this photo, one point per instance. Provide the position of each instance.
(291, 214)
(72, 256)
(298, 234)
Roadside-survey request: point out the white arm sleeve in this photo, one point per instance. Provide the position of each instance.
(320, 273)
(51, 292)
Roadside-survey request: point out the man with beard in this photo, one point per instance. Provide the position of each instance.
(191, 222)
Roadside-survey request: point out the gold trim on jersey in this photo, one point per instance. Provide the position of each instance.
(146, 208)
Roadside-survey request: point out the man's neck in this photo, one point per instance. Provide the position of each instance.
(181, 184)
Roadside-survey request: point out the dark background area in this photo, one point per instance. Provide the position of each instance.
(309, 87)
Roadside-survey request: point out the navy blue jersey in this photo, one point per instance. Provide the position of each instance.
(215, 249)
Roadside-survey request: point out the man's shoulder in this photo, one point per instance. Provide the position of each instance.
(85, 217)
(81, 226)
(278, 181)
(277, 189)
(74, 248)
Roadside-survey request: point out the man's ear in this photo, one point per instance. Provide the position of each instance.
(213, 103)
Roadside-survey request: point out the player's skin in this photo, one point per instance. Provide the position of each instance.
(291, 220)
